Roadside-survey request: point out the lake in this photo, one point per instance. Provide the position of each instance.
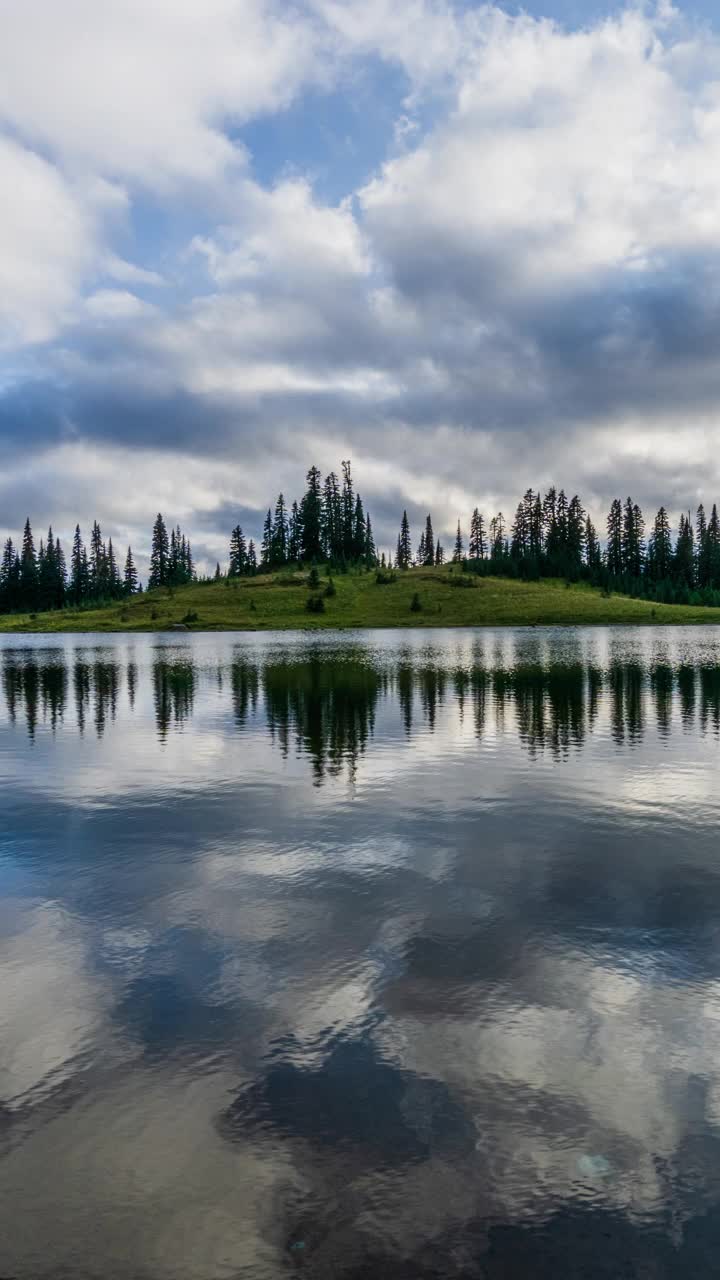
(385, 954)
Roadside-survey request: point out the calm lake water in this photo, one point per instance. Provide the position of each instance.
(393, 954)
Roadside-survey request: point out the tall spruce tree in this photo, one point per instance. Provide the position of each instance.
(294, 534)
(280, 533)
(429, 557)
(348, 511)
(238, 553)
(131, 581)
(458, 549)
(266, 546)
(614, 553)
(159, 554)
(403, 555)
(311, 518)
(29, 579)
(660, 549)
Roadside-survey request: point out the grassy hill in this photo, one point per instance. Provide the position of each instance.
(279, 602)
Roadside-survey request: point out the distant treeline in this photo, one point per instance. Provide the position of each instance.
(549, 536)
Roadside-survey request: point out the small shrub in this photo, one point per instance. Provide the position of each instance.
(190, 617)
(384, 577)
(153, 614)
(315, 604)
(33, 617)
(331, 589)
(253, 607)
(463, 581)
(314, 579)
(124, 615)
(416, 604)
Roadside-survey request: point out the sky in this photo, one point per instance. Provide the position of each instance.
(472, 247)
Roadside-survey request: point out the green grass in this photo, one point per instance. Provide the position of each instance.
(278, 602)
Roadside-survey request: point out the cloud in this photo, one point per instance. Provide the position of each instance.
(526, 290)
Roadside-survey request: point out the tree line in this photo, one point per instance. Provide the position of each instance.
(37, 579)
(550, 535)
(329, 524)
(553, 536)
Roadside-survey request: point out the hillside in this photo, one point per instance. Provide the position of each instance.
(279, 602)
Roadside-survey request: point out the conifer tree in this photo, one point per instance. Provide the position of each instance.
(458, 550)
(593, 554)
(660, 550)
(420, 557)
(684, 560)
(78, 580)
(348, 511)
(404, 551)
(294, 534)
(252, 558)
(311, 518)
(159, 555)
(439, 553)
(429, 556)
(238, 553)
(9, 579)
(29, 582)
(370, 551)
(266, 544)
(130, 577)
(701, 548)
(477, 545)
(574, 537)
(615, 539)
(280, 533)
(358, 547)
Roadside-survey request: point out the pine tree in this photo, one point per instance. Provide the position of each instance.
(358, 547)
(420, 557)
(476, 544)
(78, 570)
(519, 533)
(252, 558)
(29, 581)
(280, 533)
(311, 518)
(130, 577)
(439, 553)
(113, 577)
(97, 562)
(332, 519)
(713, 549)
(9, 600)
(159, 555)
(615, 539)
(660, 550)
(701, 548)
(404, 551)
(593, 554)
(429, 556)
(497, 536)
(458, 550)
(218, 575)
(370, 551)
(574, 537)
(238, 553)
(348, 511)
(294, 534)
(684, 559)
(60, 574)
(266, 544)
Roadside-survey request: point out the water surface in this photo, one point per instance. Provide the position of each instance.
(383, 955)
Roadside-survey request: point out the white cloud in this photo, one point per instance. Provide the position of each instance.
(144, 90)
(48, 236)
